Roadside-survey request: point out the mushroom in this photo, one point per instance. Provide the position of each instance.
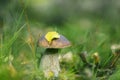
(116, 52)
(50, 62)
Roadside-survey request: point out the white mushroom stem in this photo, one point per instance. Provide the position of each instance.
(50, 63)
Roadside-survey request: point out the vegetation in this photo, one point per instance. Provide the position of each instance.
(89, 58)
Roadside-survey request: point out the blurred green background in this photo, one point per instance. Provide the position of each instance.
(90, 25)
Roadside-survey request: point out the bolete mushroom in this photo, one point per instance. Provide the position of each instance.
(49, 63)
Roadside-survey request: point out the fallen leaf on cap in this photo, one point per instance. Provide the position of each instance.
(51, 35)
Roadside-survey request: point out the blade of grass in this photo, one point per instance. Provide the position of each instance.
(99, 45)
(1, 46)
(12, 40)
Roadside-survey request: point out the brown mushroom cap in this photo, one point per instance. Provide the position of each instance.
(61, 42)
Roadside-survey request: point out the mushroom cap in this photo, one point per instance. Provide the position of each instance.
(61, 42)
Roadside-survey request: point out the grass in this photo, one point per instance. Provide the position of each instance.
(19, 52)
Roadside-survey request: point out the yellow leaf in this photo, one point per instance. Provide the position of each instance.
(51, 35)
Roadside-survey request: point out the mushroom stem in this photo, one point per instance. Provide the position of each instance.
(115, 60)
(50, 63)
(116, 57)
